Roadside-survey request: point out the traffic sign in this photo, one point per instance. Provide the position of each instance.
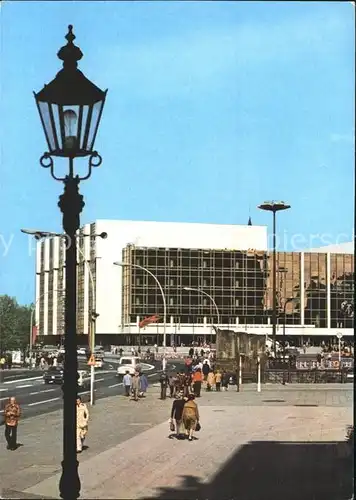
(91, 361)
(339, 335)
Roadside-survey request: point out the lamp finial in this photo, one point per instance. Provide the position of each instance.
(70, 54)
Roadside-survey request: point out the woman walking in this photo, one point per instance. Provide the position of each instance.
(176, 414)
(197, 381)
(143, 385)
(190, 416)
(82, 423)
(218, 380)
(210, 381)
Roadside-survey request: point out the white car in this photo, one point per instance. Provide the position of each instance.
(128, 363)
(84, 379)
(81, 351)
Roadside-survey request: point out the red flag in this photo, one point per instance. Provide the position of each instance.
(34, 334)
(148, 320)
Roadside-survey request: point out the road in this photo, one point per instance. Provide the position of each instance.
(36, 398)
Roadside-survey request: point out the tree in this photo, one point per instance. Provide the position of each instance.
(14, 324)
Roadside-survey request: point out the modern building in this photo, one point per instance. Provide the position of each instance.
(227, 268)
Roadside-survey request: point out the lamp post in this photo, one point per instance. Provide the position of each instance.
(189, 289)
(61, 290)
(287, 301)
(274, 207)
(93, 315)
(70, 109)
(123, 264)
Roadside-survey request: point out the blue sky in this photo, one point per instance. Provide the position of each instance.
(212, 108)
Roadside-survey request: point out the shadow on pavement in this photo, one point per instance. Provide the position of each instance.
(274, 470)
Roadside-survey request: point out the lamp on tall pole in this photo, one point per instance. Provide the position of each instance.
(274, 207)
(70, 108)
(130, 264)
(189, 289)
(287, 301)
(38, 235)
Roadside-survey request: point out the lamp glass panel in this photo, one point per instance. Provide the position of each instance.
(44, 111)
(55, 111)
(94, 123)
(70, 125)
(84, 126)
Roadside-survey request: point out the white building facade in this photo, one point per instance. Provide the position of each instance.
(102, 286)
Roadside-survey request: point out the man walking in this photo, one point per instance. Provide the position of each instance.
(12, 414)
(127, 382)
(135, 385)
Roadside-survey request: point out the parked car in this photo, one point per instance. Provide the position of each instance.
(83, 379)
(128, 363)
(82, 351)
(54, 375)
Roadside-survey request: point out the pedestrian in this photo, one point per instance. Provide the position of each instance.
(187, 382)
(127, 383)
(210, 381)
(197, 381)
(12, 414)
(135, 386)
(176, 415)
(82, 423)
(205, 369)
(164, 384)
(172, 386)
(218, 380)
(225, 380)
(190, 416)
(143, 385)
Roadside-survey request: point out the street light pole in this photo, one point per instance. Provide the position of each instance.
(122, 264)
(31, 317)
(274, 207)
(290, 299)
(70, 109)
(39, 234)
(189, 289)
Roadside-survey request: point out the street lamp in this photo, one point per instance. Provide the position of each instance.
(287, 301)
(189, 289)
(123, 264)
(38, 235)
(70, 109)
(33, 309)
(274, 207)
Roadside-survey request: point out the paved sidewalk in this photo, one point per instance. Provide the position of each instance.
(247, 441)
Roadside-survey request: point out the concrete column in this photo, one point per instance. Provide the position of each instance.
(45, 291)
(328, 290)
(87, 281)
(302, 289)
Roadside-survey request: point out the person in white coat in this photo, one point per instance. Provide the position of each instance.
(82, 423)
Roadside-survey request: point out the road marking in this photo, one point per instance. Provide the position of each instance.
(22, 380)
(99, 379)
(40, 392)
(110, 386)
(4, 399)
(23, 386)
(3, 390)
(151, 374)
(43, 402)
(139, 423)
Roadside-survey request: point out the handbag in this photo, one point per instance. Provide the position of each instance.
(172, 426)
(198, 427)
